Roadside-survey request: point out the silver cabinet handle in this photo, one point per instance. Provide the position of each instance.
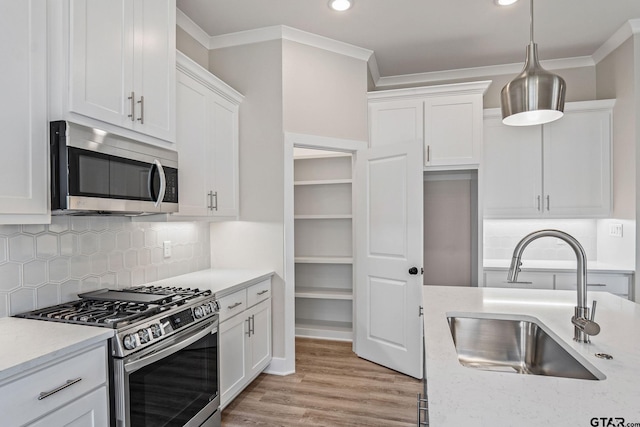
(210, 197)
(69, 383)
(428, 153)
(132, 106)
(263, 292)
(248, 326)
(596, 284)
(253, 324)
(141, 118)
(214, 206)
(538, 203)
(548, 203)
(234, 305)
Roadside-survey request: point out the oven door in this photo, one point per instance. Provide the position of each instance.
(175, 384)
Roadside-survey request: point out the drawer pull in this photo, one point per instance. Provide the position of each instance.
(69, 383)
(597, 284)
(234, 305)
(263, 292)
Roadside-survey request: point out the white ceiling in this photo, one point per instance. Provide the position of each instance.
(420, 36)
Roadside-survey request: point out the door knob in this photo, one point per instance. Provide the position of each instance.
(413, 270)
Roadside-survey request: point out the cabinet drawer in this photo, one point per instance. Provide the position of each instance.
(615, 284)
(258, 292)
(528, 280)
(233, 304)
(20, 403)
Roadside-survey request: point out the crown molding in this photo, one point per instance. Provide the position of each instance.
(191, 28)
(627, 30)
(477, 72)
(467, 88)
(282, 32)
(200, 74)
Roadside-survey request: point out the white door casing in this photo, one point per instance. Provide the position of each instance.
(389, 242)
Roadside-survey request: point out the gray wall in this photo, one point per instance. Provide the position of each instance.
(192, 48)
(43, 265)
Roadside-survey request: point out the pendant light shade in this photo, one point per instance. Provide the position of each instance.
(535, 96)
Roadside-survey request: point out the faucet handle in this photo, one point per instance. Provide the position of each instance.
(593, 310)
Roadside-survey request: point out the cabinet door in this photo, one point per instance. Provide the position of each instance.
(193, 123)
(101, 61)
(23, 78)
(512, 166)
(154, 67)
(233, 356)
(396, 122)
(577, 164)
(260, 354)
(90, 410)
(453, 130)
(224, 154)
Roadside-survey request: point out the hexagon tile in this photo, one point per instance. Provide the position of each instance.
(43, 265)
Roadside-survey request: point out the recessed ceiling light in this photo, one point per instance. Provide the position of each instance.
(340, 5)
(504, 2)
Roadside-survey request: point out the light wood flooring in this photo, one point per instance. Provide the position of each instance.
(331, 387)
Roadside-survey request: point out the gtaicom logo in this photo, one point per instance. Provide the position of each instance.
(607, 422)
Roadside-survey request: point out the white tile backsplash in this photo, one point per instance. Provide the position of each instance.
(43, 265)
(502, 236)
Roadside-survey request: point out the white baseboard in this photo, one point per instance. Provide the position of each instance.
(280, 366)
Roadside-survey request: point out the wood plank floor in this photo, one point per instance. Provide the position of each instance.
(331, 387)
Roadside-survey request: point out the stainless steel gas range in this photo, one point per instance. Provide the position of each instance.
(164, 355)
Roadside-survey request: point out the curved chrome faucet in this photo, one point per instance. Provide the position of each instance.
(584, 325)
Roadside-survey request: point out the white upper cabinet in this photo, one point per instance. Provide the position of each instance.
(446, 119)
(207, 143)
(561, 169)
(118, 59)
(23, 84)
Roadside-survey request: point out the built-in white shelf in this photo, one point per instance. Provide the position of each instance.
(327, 216)
(324, 182)
(325, 329)
(324, 293)
(323, 260)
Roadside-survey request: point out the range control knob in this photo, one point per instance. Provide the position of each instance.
(129, 341)
(198, 312)
(156, 330)
(144, 336)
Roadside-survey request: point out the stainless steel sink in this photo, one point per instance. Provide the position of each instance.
(518, 345)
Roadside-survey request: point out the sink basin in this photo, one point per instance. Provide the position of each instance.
(517, 344)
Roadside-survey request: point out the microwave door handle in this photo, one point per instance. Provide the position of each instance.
(163, 182)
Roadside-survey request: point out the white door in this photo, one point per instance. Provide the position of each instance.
(389, 243)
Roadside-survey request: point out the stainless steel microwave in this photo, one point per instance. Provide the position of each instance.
(95, 172)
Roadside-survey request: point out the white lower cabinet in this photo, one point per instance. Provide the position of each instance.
(616, 283)
(245, 338)
(71, 391)
(88, 411)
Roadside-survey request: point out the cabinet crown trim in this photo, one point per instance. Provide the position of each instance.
(469, 88)
(202, 75)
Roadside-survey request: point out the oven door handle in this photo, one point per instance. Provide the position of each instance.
(184, 341)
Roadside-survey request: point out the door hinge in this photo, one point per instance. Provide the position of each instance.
(420, 312)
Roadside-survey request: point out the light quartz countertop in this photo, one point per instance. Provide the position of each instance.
(462, 396)
(219, 281)
(27, 343)
(552, 265)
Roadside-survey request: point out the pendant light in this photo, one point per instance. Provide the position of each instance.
(535, 96)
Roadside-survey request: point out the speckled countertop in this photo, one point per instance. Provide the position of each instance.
(219, 281)
(26, 343)
(462, 396)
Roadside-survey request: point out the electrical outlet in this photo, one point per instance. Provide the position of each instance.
(166, 246)
(615, 230)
